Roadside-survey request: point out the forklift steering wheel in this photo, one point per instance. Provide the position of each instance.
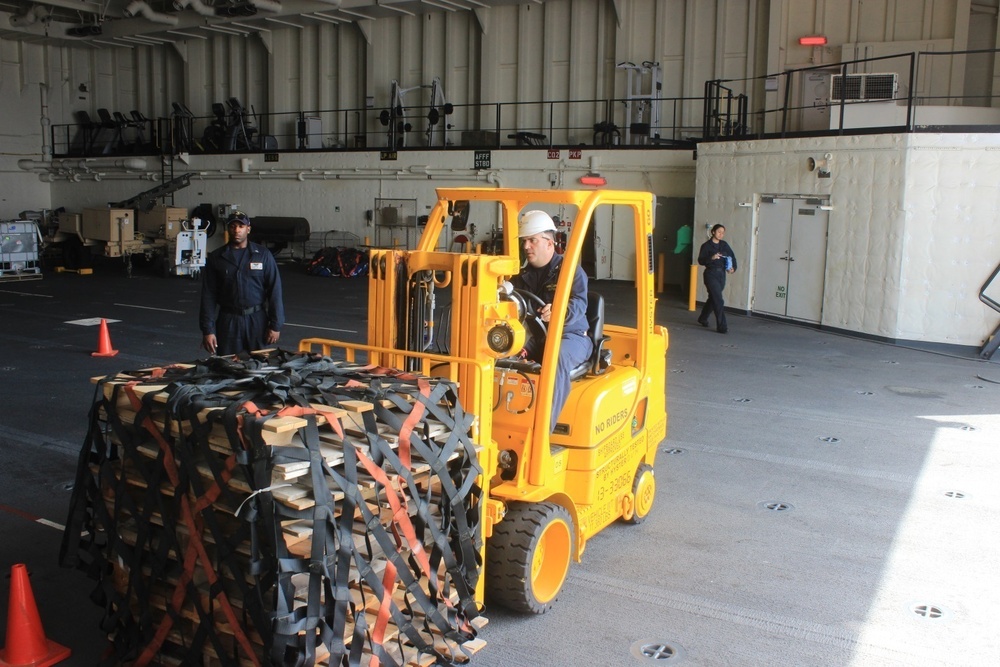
(532, 304)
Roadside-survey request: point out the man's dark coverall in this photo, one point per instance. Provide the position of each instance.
(715, 281)
(576, 345)
(241, 298)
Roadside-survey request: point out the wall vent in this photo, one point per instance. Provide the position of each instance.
(862, 87)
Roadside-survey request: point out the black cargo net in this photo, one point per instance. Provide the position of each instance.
(285, 509)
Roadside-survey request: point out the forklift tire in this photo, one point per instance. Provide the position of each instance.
(528, 557)
(643, 493)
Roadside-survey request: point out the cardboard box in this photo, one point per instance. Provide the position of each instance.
(161, 222)
(108, 224)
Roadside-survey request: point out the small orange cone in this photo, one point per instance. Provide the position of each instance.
(104, 342)
(26, 642)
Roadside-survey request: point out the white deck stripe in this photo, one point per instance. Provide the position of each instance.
(10, 291)
(162, 310)
(308, 326)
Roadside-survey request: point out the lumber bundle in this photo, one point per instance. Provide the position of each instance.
(285, 509)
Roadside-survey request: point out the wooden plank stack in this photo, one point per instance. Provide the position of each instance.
(283, 509)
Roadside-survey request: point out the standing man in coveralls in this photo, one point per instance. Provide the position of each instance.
(539, 276)
(241, 307)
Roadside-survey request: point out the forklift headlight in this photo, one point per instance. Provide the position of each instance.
(500, 338)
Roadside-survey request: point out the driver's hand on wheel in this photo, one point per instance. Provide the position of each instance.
(545, 314)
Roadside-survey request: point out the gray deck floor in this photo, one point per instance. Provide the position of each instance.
(885, 461)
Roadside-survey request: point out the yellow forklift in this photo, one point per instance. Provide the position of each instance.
(444, 310)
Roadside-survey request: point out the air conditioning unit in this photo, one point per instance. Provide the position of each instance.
(863, 87)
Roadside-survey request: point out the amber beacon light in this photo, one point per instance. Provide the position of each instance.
(593, 179)
(813, 40)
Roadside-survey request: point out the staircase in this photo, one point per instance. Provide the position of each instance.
(145, 201)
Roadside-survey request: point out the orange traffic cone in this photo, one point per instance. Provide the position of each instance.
(26, 642)
(104, 342)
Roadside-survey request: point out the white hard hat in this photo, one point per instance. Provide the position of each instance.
(534, 222)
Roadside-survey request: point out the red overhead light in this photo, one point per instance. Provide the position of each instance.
(813, 40)
(593, 179)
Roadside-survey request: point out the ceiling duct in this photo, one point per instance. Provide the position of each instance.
(196, 5)
(141, 8)
(30, 16)
(266, 5)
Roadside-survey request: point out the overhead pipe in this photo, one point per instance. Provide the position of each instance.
(130, 163)
(266, 5)
(31, 16)
(353, 175)
(150, 14)
(46, 123)
(196, 5)
(95, 176)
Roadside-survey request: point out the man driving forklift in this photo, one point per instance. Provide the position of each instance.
(539, 276)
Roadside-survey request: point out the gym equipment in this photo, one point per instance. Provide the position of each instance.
(395, 116)
(231, 130)
(642, 102)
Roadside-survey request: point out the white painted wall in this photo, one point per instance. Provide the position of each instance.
(951, 241)
(315, 185)
(912, 236)
(893, 114)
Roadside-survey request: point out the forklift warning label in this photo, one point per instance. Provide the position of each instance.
(613, 420)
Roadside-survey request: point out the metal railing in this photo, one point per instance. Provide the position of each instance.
(548, 124)
(834, 99)
(816, 100)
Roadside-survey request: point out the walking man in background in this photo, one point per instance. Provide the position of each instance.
(718, 259)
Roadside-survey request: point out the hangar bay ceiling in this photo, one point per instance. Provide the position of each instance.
(110, 23)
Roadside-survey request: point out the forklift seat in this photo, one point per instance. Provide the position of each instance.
(600, 358)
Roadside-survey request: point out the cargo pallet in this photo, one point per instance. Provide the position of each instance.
(283, 507)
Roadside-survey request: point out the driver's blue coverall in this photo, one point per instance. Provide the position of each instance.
(576, 346)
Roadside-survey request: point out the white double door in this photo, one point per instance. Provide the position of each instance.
(790, 258)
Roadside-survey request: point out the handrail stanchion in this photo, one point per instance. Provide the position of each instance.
(843, 97)
(499, 129)
(910, 115)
